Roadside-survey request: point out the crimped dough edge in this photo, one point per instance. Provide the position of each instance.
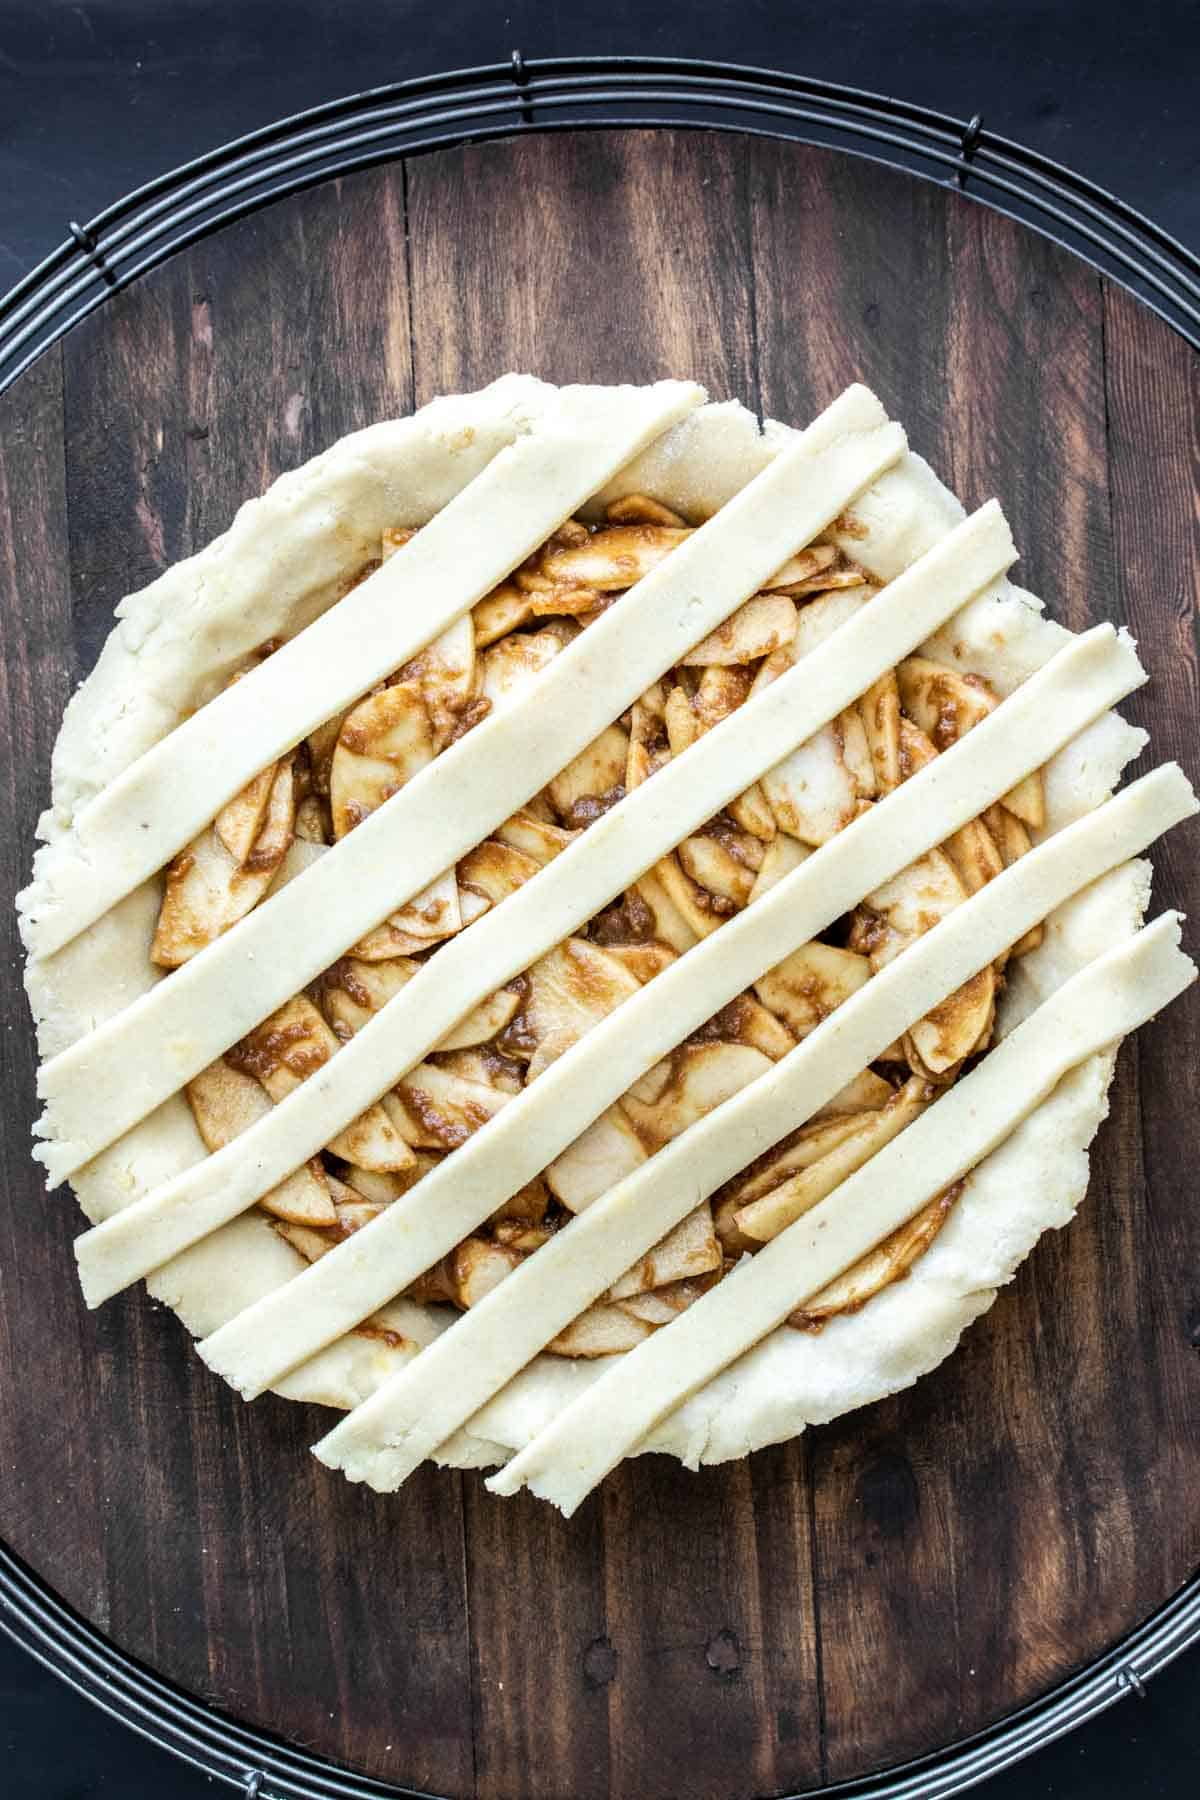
(282, 562)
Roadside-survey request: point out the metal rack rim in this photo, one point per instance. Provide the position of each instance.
(496, 98)
(36, 1618)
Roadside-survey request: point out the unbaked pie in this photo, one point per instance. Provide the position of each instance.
(581, 925)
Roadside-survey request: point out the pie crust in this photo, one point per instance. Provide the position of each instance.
(286, 562)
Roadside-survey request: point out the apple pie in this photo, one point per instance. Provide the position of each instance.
(583, 925)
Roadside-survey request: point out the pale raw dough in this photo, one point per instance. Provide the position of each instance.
(281, 564)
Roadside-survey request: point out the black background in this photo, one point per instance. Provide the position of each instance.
(96, 98)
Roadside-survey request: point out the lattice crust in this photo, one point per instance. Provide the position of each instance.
(748, 618)
(355, 761)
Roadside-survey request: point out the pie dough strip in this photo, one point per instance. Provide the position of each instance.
(1095, 1008)
(135, 825)
(419, 1408)
(285, 1327)
(611, 854)
(104, 1084)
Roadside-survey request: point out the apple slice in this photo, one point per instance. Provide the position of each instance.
(800, 569)
(766, 1217)
(902, 909)
(351, 991)
(746, 1020)
(856, 752)
(648, 746)
(239, 821)
(310, 1244)
(614, 557)
(750, 812)
(703, 911)
(759, 627)
(509, 667)
(444, 673)
(505, 609)
(719, 692)
(482, 1024)
(569, 990)
(945, 705)
(812, 792)
(1013, 842)
(393, 538)
(311, 824)
(444, 670)
(477, 1266)
(890, 1260)
(486, 1067)
(495, 870)
(293, 1044)
(600, 1331)
(679, 717)
(781, 856)
(958, 1028)
(353, 1215)
(446, 1109)
(722, 865)
(384, 741)
(570, 602)
(941, 702)
(866, 1093)
(702, 1076)
(688, 1250)
(818, 619)
(535, 838)
(849, 577)
(801, 1150)
(668, 923)
(596, 775)
(384, 1186)
(651, 1086)
(641, 509)
(208, 890)
(522, 1238)
(663, 1304)
(225, 1103)
(321, 743)
(609, 1149)
(810, 983)
(895, 915)
(429, 917)
(971, 849)
(879, 709)
(528, 1206)
(644, 961)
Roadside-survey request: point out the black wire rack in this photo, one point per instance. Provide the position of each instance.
(137, 233)
(260, 1767)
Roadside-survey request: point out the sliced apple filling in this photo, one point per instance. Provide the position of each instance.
(353, 764)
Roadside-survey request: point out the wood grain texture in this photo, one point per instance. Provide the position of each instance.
(889, 1582)
(989, 344)
(653, 1643)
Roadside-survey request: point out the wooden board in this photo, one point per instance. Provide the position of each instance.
(886, 1584)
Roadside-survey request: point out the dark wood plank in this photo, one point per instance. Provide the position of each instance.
(650, 1609)
(1153, 391)
(595, 257)
(1079, 1421)
(989, 345)
(971, 1540)
(227, 1558)
(47, 1464)
(851, 284)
